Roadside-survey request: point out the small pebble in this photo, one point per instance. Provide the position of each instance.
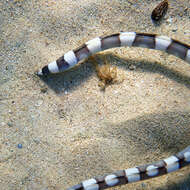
(132, 67)
(44, 90)
(3, 123)
(174, 29)
(169, 20)
(61, 113)
(39, 103)
(37, 141)
(19, 146)
(10, 124)
(159, 11)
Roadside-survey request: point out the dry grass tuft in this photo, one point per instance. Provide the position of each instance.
(107, 73)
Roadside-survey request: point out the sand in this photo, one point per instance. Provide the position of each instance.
(59, 130)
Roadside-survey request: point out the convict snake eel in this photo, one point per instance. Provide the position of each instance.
(150, 41)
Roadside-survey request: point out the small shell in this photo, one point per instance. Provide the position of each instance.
(160, 10)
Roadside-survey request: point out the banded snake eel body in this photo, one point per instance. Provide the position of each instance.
(150, 41)
(139, 173)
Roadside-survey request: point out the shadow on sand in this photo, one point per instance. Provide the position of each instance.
(76, 76)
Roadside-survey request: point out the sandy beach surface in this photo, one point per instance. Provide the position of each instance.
(58, 130)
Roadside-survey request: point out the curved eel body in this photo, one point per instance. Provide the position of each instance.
(150, 41)
(139, 173)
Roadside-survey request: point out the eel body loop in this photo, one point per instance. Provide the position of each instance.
(135, 174)
(150, 41)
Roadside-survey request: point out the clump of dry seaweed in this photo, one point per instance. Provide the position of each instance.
(107, 73)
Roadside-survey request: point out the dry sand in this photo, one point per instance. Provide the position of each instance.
(59, 130)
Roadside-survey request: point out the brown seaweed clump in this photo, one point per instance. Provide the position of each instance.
(160, 10)
(107, 73)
